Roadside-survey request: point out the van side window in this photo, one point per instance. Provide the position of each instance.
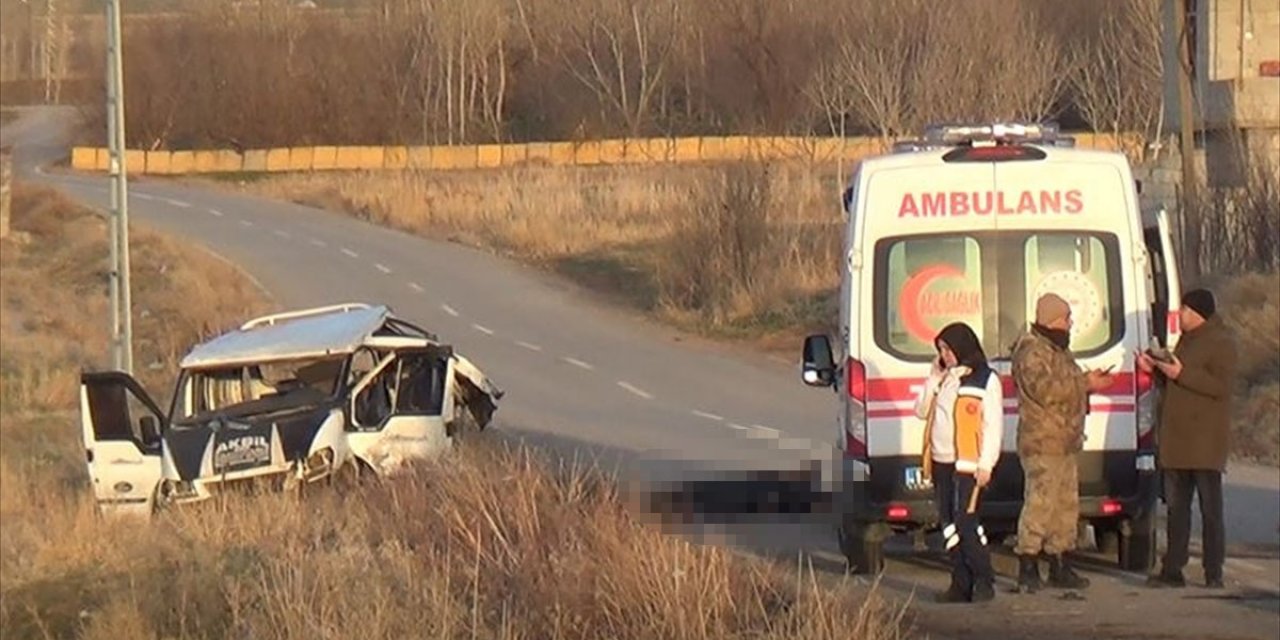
(421, 383)
(374, 402)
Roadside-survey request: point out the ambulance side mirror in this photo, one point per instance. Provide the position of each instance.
(819, 367)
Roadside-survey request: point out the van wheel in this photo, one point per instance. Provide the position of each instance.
(1137, 543)
(862, 545)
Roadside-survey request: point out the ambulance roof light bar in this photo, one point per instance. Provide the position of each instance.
(976, 135)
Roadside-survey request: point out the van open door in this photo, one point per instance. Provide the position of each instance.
(1157, 233)
(122, 429)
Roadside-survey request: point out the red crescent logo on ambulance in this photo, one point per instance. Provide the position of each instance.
(913, 293)
(919, 302)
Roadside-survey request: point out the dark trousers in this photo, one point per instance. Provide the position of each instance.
(962, 534)
(1179, 485)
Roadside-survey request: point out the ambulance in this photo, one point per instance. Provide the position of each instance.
(973, 223)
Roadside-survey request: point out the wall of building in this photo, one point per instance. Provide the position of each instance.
(1237, 102)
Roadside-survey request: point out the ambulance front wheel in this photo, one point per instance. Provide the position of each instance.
(862, 544)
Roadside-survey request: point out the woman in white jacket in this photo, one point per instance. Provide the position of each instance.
(962, 403)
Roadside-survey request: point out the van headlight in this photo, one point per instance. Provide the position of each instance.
(319, 461)
(177, 490)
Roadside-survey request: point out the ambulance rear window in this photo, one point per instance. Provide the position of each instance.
(990, 281)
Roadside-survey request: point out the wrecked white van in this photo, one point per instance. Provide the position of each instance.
(285, 399)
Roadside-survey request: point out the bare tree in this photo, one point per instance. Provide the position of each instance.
(620, 50)
(1117, 84)
(873, 68)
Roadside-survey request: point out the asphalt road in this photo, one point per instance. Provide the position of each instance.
(649, 401)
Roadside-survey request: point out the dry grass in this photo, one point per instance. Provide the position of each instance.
(454, 551)
(651, 237)
(491, 544)
(1250, 306)
(54, 279)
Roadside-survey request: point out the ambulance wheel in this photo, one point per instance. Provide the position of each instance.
(1137, 544)
(863, 547)
(1106, 538)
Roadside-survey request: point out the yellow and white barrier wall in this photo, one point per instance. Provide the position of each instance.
(646, 151)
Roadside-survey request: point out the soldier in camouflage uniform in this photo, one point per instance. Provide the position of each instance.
(1053, 396)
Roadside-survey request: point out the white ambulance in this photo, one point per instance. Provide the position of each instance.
(973, 223)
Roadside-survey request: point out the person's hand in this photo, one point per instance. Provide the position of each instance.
(983, 477)
(1171, 370)
(1099, 380)
(936, 370)
(1146, 363)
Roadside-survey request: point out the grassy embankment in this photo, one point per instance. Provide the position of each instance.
(748, 253)
(493, 544)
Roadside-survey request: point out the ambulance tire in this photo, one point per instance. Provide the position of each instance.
(1106, 538)
(1137, 544)
(862, 545)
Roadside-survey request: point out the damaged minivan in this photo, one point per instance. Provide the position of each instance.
(284, 400)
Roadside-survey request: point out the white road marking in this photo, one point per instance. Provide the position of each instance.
(381, 268)
(709, 416)
(246, 223)
(215, 213)
(450, 310)
(283, 234)
(734, 425)
(144, 196)
(634, 390)
(578, 363)
(178, 203)
(350, 253)
(767, 431)
(482, 329)
(416, 287)
(1240, 563)
(528, 345)
(319, 243)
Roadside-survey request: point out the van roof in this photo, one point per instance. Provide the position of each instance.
(308, 333)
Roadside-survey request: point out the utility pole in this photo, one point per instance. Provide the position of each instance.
(46, 48)
(121, 313)
(1190, 249)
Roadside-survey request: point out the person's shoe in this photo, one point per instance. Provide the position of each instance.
(953, 594)
(1214, 583)
(1062, 576)
(1164, 580)
(983, 592)
(1028, 574)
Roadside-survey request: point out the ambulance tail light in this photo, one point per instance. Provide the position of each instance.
(1145, 404)
(1173, 327)
(1112, 507)
(856, 423)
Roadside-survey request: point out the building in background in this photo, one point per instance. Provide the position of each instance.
(1236, 83)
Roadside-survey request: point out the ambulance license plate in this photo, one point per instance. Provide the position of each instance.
(913, 478)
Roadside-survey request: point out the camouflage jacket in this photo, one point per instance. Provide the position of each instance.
(1053, 396)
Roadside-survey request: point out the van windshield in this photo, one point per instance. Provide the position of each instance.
(257, 388)
(991, 281)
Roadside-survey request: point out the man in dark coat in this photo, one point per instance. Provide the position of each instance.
(1195, 435)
